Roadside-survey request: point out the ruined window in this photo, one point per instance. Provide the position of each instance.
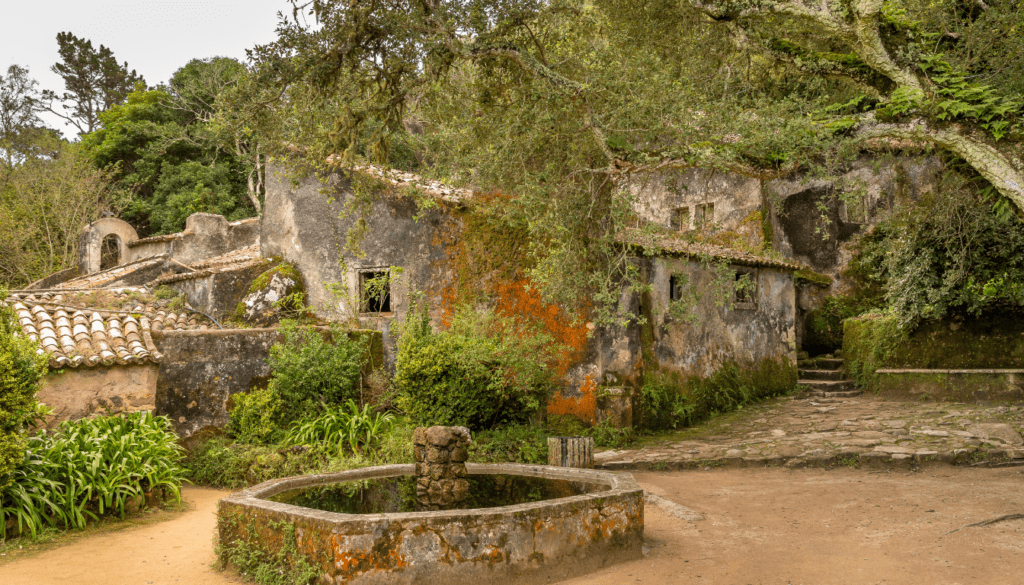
(745, 288)
(704, 215)
(854, 209)
(110, 252)
(375, 290)
(680, 219)
(675, 286)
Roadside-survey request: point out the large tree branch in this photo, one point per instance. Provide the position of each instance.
(997, 168)
(861, 33)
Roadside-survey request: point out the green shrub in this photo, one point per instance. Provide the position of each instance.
(21, 369)
(256, 416)
(482, 372)
(869, 341)
(310, 372)
(512, 443)
(669, 401)
(91, 467)
(339, 427)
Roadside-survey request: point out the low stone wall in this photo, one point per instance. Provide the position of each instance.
(527, 543)
(78, 393)
(201, 370)
(993, 385)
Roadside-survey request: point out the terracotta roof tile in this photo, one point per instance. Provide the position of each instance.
(76, 336)
(671, 244)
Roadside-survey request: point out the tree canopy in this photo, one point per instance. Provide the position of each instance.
(561, 103)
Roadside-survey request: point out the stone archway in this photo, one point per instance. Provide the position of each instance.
(90, 242)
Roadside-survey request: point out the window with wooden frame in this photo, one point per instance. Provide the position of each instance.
(744, 288)
(703, 216)
(375, 291)
(680, 221)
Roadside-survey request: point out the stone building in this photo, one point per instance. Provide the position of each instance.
(698, 225)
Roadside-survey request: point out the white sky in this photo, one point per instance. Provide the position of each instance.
(155, 37)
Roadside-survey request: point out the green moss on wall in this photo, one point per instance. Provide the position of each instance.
(993, 340)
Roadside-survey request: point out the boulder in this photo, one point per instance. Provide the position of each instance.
(261, 306)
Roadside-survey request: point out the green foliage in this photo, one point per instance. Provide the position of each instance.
(669, 401)
(285, 565)
(514, 443)
(824, 326)
(172, 158)
(256, 416)
(483, 371)
(89, 468)
(21, 369)
(869, 342)
(947, 254)
(339, 427)
(310, 372)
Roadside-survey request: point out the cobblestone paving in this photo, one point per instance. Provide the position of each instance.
(824, 432)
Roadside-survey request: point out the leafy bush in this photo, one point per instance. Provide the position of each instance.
(21, 369)
(824, 331)
(339, 427)
(481, 372)
(91, 467)
(669, 401)
(256, 416)
(512, 443)
(950, 254)
(310, 372)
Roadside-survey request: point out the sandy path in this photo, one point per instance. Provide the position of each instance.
(177, 551)
(845, 526)
(768, 526)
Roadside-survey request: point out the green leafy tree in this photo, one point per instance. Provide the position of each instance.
(21, 369)
(44, 202)
(565, 103)
(163, 148)
(20, 105)
(93, 81)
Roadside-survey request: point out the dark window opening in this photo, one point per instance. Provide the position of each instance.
(745, 287)
(676, 282)
(704, 215)
(681, 219)
(375, 290)
(110, 252)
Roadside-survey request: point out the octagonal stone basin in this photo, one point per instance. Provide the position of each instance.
(535, 542)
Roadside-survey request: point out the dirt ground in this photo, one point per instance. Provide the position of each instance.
(759, 526)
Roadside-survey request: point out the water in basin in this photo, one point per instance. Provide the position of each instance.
(398, 493)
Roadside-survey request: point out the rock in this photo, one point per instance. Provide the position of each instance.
(870, 435)
(733, 453)
(261, 306)
(778, 433)
(931, 433)
(894, 450)
(999, 431)
(894, 424)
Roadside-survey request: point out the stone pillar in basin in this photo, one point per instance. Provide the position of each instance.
(441, 454)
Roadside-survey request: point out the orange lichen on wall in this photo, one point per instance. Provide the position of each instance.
(583, 407)
(518, 298)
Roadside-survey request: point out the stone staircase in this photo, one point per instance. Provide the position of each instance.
(823, 377)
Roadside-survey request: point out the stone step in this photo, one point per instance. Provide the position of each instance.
(842, 394)
(807, 364)
(826, 385)
(821, 374)
(829, 363)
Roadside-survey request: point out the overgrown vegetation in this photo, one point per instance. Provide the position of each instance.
(21, 369)
(311, 372)
(482, 372)
(286, 565)
(670, 401)
(88, 468)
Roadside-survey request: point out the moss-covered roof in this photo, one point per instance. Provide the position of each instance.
(666, 243)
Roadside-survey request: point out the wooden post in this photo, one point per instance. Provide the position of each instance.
(571, 452)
